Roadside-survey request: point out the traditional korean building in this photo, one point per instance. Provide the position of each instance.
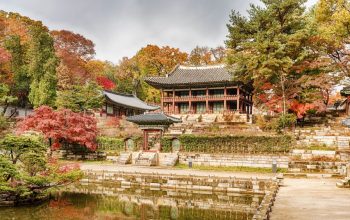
(117, 104)
(205, 89)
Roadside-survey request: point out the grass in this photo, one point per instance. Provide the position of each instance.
(231, 169)
(88, 161)
(316, 147)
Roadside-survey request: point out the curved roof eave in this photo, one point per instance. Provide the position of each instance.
(129, 101)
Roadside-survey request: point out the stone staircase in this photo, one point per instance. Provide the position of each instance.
(147, 159)
(124, 158)
(170, 159)
(345, 183)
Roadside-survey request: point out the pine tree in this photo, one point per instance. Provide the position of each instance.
(267, 45)
(42, 67)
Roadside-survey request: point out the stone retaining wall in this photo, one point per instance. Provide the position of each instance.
(337, 138)
(231, 160)
(266, 187)
(69, 155)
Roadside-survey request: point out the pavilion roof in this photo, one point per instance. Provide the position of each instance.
(345, 91)
(153, 119)
(184, 76)
(128, 100)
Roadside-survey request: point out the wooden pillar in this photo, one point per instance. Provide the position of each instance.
(173, 101)
(206, 100)
(238, 97)
(145, 140)
(190, 101)
(225, 101)
(162, 100)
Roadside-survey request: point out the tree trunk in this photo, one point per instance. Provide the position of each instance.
(283, 94)
(4, 109)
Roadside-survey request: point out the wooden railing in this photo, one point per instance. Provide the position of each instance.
(200, 98)
(207, 112)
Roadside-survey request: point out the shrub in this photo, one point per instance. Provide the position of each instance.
(166, 143)
(268, 123)
(110, 143)
(286, 121)
(236, 144)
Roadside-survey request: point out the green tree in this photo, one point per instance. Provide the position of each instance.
(80, 98)
(25, 171)
(42, 63)
(5, 98)
(332, 19)
(270, 45)
(20, 83)
(15, 147)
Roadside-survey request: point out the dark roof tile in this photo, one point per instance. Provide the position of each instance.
(128, 100)
(153, 118)
(201, 75)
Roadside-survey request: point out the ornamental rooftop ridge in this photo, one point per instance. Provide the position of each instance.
(194, 76)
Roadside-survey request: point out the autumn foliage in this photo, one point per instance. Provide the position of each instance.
(62, 126)
(105, 82)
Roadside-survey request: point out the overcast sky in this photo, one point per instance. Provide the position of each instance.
(121, 27)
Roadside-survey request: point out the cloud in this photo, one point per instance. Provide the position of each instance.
(121, 27)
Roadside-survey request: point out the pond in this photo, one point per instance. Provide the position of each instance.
(101, 201)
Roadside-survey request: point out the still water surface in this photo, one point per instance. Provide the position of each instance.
(106, 202)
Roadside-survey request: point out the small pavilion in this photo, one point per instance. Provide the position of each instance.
(152, 123)
(346, 93)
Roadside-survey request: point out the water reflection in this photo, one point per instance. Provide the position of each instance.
(95, 201)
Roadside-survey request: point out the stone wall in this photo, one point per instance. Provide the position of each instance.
(266, 187)
(234, 160)
(69, 155)
(327, 136)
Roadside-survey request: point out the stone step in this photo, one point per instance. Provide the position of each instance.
(147, 159)
(125, 158)
(170, 160)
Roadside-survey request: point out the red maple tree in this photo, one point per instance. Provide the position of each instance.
(105, 82)
(62, 126)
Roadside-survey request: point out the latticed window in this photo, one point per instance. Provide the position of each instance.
(201, 107)
(218, 107)
(175, 144)
(109, 109)
(130, 144)
(199, 93)
(217, 92)
(183, 107)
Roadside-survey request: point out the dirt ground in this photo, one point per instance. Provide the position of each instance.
(311, 199)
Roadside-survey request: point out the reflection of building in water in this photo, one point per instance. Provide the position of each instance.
(172, 204)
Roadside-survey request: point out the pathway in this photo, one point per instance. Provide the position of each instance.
(311, 199)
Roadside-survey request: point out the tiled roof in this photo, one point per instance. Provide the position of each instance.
(345, 91)
(185, 76)
(128, 100)
(153, 118)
